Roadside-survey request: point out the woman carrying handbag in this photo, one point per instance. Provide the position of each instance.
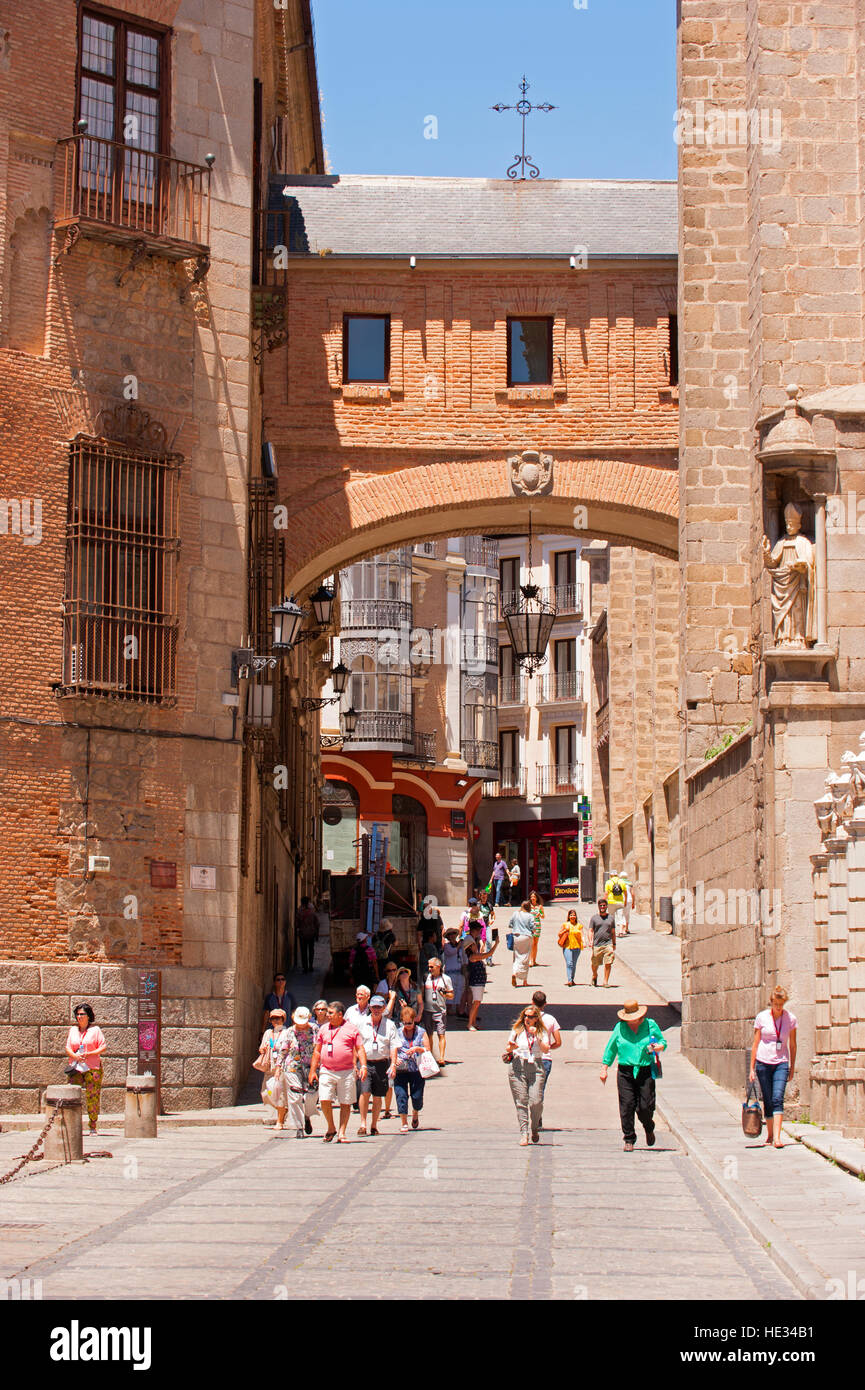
(773, 1060)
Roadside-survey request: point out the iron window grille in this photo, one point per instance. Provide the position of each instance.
(120, 602)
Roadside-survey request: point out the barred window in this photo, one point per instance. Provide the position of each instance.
(119, 608)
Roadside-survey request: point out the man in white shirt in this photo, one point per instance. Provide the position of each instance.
(359, 1014)
(554, 1032)
(437, 990)
(380, 1043)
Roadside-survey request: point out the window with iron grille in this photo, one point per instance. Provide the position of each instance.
(119, 607)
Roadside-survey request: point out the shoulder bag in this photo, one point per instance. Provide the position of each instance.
(564, 936)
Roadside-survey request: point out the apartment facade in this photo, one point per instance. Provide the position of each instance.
(417, 633)
(539, 810)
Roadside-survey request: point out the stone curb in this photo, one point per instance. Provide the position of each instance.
(792, 1263)
(829, 1145)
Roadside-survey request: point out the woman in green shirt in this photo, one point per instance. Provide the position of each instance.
(636, 1040)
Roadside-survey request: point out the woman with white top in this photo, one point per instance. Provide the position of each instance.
(85, 1045)
(528, 1044)
(773, 1059)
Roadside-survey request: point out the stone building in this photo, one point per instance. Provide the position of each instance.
(634, 636)
(772, 177)
(134, 145)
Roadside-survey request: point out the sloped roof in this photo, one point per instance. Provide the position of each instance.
(365, 215)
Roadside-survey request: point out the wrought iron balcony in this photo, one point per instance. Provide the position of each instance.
(512, 782)
(377, 613)
(562, 780)
(482, 754)
(481, 552)
(479, 648)
(425, 747)
(382, 726)
(512, 690)
(568, 598)
(560, 687)
(131, 196)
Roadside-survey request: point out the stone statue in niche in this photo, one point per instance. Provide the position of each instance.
(792, 568)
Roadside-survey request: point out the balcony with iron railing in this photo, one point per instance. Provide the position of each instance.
(564, 779)
(560, 687)
(382, 727)
(480, 755)
(479, 649)
(130, 196)
(512, 782)
(481, 552)
(424, 747)
(376, 613)
(567, 599)
(512, 690)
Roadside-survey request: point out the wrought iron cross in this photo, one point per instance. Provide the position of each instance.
(525, 108)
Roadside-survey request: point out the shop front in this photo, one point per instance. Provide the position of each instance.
(548, 852)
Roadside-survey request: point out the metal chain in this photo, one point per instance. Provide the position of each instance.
(31, 1153)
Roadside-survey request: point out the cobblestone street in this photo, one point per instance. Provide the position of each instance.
(223, 1211)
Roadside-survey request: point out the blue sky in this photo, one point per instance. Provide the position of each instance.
(386, 65)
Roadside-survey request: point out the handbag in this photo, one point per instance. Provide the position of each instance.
(657, 1069)
(260, 1065)
(427, 1065)
(509, 941)
(752, 1115)
(564, 937)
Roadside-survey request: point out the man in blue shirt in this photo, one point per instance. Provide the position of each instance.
(499, 877)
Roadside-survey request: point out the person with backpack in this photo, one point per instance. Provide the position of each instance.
(307, 928)
(362, 963)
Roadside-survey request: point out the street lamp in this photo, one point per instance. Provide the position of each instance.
(336, 741)
(287, 618)
(529, 621)
(322, 605)
(339, 678)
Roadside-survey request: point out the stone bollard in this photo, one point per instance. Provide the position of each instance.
(140, 1117)
(64, 1142)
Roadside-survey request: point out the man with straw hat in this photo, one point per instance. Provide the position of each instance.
(636, 1040)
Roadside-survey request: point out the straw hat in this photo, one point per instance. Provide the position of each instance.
(632, 1011)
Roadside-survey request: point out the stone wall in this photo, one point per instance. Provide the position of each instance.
(722, 955)
(199, 1039)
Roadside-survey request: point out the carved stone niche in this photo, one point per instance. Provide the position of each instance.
(797, 476)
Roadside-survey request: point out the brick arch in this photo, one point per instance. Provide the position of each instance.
(626, 502)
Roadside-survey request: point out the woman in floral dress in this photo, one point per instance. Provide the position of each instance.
(537, 911)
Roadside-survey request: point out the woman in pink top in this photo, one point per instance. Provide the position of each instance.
(773, 1059)
(84, 1048)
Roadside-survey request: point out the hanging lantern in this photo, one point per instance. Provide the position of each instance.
(529, 621)
(321, 603)
(339, 678)
(349, 721)
(287, 618)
